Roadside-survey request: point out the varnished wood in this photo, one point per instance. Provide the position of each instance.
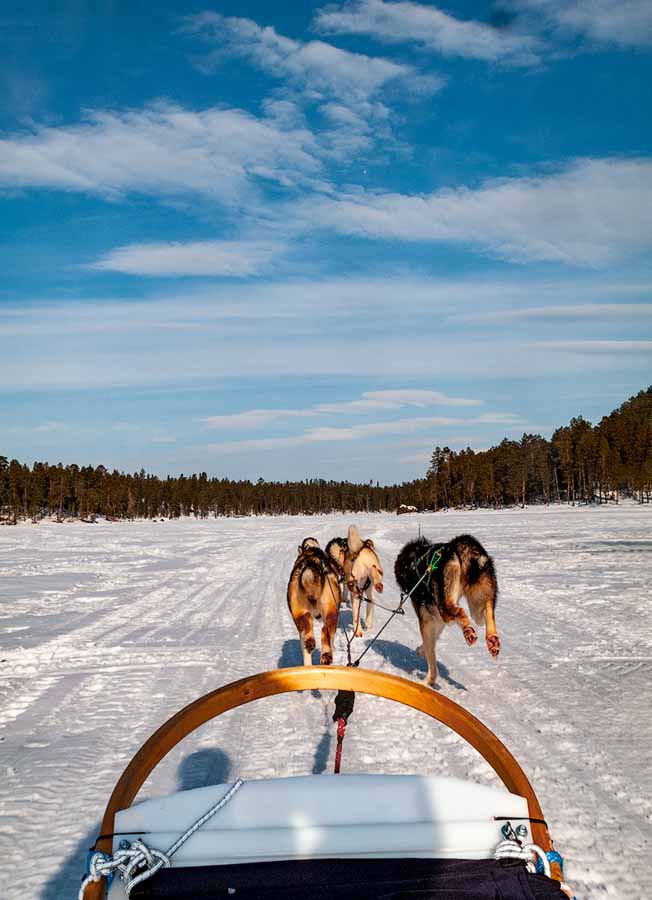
(281, 681)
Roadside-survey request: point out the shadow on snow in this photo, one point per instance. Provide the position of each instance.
(198, 769)
(410, 661)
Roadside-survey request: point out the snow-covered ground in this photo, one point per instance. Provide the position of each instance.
(108, 629)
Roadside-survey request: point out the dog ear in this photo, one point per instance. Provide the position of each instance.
(300, 549)
(370, 544)
(354, 540)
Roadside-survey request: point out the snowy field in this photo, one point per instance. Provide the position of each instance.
(108, 629)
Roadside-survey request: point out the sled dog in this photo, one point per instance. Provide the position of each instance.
(314, 593)
(460, 567)
(363, 573)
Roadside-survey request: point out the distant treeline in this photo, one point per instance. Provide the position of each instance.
(581, 463)
(71, 491)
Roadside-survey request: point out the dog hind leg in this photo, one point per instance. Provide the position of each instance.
(357, 603)
(482, 599)
(307, 637)
(452, 593)
(371, 606)
(328, 630)
(492, 639)
(329, 608)
(431, 627)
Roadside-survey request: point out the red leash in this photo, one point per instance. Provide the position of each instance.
(341, 728)
(344, 701)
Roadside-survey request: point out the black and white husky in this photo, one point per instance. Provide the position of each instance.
(459, 567)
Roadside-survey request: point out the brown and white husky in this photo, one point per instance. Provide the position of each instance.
(314, 593)
(363, 573)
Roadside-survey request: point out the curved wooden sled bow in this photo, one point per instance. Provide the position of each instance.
(282, 681)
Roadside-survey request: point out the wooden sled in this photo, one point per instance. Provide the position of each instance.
(295, 835)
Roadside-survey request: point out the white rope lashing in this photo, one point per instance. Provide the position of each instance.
(125, 862)
(510, 849)
(139, 862)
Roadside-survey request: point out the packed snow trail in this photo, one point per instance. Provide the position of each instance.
(108, 629)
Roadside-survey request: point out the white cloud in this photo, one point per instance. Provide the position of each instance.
(126, 427)
(252, 419)
(229, 258)
(337, 298)
(625, 23)
(498, 419)
(589, 213)
(370, 401)
(331, 434)
(319, 71)
(395, 399)
(594, 211)
(601, 348)
(429, 26)
(163, 358)
(553, 313)
(162, 150)
(306, 327)
(285, 301)
(50, 427)
(375, 429)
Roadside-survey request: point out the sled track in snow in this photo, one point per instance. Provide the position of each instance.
(109, 629)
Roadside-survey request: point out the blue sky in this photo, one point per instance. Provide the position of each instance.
(301, 239)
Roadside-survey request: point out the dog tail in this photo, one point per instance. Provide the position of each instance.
(311, 580)
(354, 540)
(477, 566)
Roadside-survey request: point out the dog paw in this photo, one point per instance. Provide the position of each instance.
(358, 632)
(493, 644)
(430, 681)
(470, 635)
(326, 659)
(310, 645)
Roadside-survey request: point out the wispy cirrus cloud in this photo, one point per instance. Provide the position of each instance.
(165, 151)
(186, 336)
(589, 213)
(370, 401)
(623, 23)
(170, 357)
(430, 27)
(396, 399)
(50, 427)
(253, 419)
(537, 27)
(284, 303)
(315, 70)
(358, 432)
(165, 258)
(555, 313)
(602, 348)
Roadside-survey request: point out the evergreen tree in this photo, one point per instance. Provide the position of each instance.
(581, 463)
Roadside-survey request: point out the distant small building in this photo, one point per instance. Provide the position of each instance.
(404, 508)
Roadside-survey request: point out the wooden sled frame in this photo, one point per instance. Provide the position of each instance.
(330, 678)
